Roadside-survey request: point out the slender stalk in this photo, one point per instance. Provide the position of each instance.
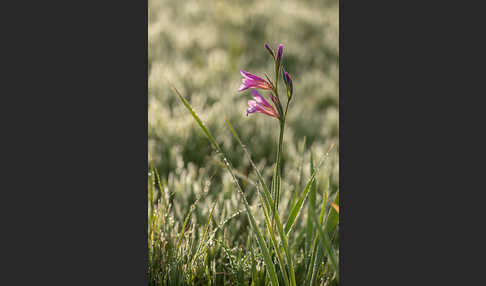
(278, 167)
(279, 156)
(278, 171)
(278, 174)
(279, 164)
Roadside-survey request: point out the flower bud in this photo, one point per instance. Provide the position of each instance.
(283, 76)
(279, 53)
(288, 83)
(269, 50)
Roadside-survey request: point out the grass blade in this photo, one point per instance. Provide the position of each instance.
(204, 235)
(316, 253)
(326, 243)
(184, 225)
(323, 236)
(298, 206)
(274, 242)
(311, 209)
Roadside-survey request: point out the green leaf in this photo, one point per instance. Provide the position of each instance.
(311, 209)
(204, 235)
(186, 220)
(332, 219)
(316, 251)
(326, 244)
(298, 206)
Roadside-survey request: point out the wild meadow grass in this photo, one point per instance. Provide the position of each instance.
(210, 185)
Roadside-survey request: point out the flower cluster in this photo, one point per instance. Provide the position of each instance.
(260, 104)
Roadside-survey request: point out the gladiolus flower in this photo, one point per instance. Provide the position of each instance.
(261, 105)
(253, 81)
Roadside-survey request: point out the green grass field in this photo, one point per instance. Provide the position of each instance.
(200, 230)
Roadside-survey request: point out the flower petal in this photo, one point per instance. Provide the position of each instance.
(250, 80)
(243, 87)
(254, 106)
(259, 98)
(252, 76)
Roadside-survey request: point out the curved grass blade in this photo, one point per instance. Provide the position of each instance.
(323, 238)
(184, 225)
(266, 256)
(316, 253)
(298, 206)
(326, 243)
(274, 241)
(237, 173)
(204, 235)
(311, 207)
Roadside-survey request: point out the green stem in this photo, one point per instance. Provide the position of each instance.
(279, 159)
(277, 177)
(279, 163)
(277, 174)
(286, 108)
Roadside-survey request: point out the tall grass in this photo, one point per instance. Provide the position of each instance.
(268, 205)
(205, 212)
(202, 254)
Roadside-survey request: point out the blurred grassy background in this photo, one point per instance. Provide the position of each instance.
(200, 47)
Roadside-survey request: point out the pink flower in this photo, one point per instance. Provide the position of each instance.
(253, 81)
(261, 105)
